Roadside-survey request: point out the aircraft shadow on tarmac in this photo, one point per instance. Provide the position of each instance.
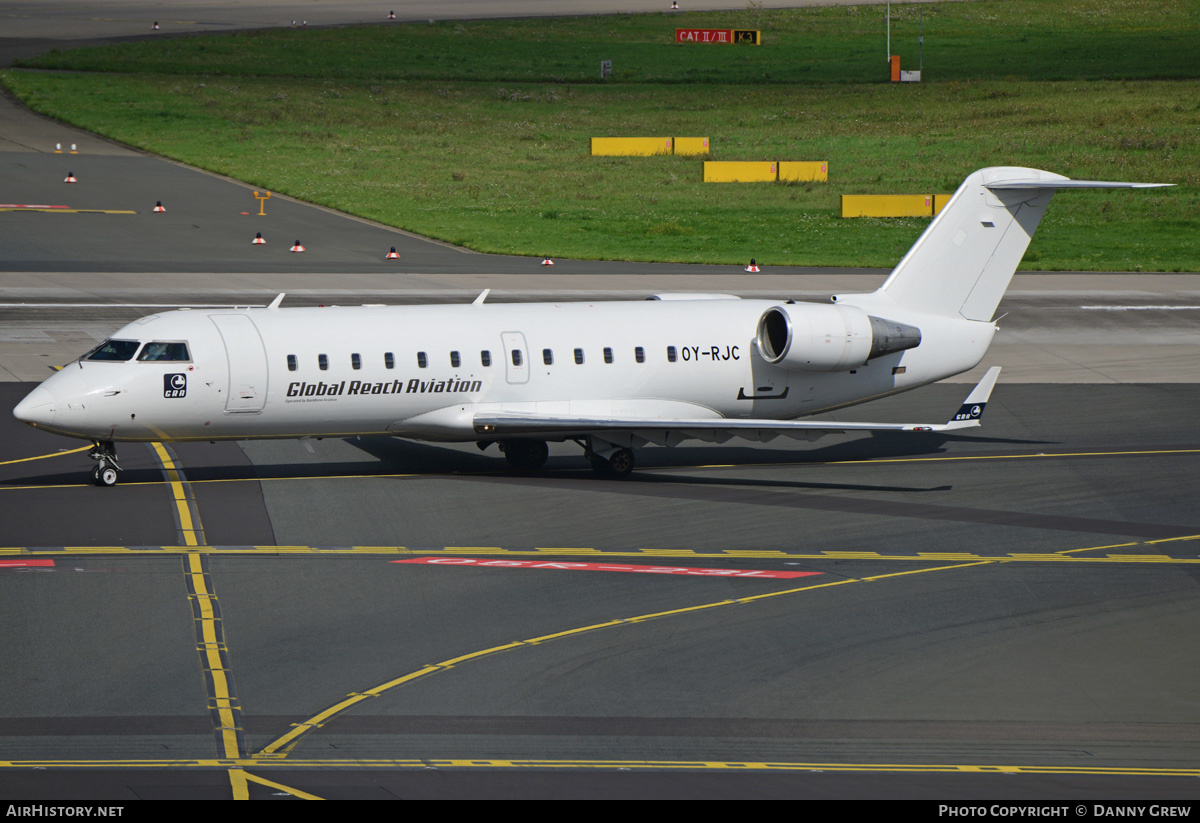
(421, 458)
(397, 456)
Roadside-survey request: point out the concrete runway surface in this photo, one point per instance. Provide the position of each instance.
(1008, 614)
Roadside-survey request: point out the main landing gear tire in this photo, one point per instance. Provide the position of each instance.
(619, 463)
(104, 475)
(525, 455)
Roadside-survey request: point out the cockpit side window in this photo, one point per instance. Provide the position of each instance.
(114, 350)
(158, 350)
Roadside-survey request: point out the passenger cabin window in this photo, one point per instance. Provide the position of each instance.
(455, 360)
(639, 354)
(356, 360)
(579, 357)
(157, 351)
(389, 360)
(422, 360)
(485, 357)
(671, 353)
(608, 357)
(548, 357)
(516, 357)
(114, 350)
(292, 364)
(323, 361)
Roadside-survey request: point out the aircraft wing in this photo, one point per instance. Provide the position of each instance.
(670, 431)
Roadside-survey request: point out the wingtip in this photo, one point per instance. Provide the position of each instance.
(973, 407)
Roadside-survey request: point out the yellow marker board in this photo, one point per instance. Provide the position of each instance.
(887, 205)
(939, 202)
(730, 171)
(801, 171)
(691, 145)
(631, 146)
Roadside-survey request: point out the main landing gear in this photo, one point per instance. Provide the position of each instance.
(614, 462)
(525, 455)
(530, 455)
(104, 473)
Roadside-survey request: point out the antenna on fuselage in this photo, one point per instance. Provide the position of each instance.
(482, 296)
(275, 303)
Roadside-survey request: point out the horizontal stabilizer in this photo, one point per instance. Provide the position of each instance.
(1073, 184)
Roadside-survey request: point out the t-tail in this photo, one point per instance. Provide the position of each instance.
(964, 261)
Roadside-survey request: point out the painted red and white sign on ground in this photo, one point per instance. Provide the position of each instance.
(22, 564)
(703, 35)
(760, 574)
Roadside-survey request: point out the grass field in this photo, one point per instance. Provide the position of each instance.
(477, 133)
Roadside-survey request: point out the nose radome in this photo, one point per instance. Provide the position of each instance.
(37, 408)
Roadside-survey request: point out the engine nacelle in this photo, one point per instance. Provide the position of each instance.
(814, 337)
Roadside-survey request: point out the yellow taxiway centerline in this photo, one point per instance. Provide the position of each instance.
(594, 765)
(43, 456)
(283, 745)
(1067, 556)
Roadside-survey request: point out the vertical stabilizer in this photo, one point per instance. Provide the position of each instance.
(965, 259)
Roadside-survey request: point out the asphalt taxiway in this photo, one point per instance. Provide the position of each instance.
(1005, 613)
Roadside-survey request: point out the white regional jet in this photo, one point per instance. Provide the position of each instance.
(609, 376)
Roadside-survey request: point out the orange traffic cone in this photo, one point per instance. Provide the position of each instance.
(392, 254)
(158, 208)
(297, 247)
(753, 266)
(547, 262)
(70, 178)
(258, 240)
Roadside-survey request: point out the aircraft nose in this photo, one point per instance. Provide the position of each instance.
(37, 408)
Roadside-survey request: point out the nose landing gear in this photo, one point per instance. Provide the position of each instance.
(104, 473)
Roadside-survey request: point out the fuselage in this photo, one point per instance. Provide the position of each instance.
(425, 371)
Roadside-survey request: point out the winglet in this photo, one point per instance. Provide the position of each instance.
(972, 408)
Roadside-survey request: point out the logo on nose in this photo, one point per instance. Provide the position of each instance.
(174, 385)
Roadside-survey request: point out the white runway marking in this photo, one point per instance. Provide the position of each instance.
(1140, 308)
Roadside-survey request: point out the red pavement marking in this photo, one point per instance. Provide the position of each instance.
(605, 567)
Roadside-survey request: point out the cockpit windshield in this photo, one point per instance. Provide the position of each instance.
(164, 351)
(114, 350)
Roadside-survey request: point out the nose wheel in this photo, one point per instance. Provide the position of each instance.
(104, 473)
(106, 476)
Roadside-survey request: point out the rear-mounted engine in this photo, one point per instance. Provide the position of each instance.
(813, 337)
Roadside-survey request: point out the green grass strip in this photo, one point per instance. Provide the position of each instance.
(477, 132)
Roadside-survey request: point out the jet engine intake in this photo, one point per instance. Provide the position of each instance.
(813, 337)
